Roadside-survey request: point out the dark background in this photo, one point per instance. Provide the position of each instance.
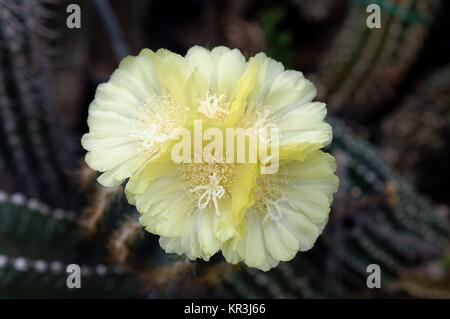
(388, 96)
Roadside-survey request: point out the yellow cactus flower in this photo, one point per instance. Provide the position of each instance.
(259, 199)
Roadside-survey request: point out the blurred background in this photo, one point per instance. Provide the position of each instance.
(388, 97)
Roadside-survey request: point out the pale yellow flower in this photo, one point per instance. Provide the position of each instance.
(201, 208)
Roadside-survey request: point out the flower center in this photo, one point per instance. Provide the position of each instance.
(212, 191)
(273, 209)
(152, 135)
(208, 182)
(258, 124)
(269, 195)
(213, 106)
(160, 121)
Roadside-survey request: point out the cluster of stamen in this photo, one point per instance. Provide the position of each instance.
(160, 121)
(269, 196)
(213, 106)
(258, 124)
(208, 182)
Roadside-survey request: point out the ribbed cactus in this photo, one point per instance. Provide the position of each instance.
(415, 136)
(38, 243)
(35, 152)
(364, 66)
